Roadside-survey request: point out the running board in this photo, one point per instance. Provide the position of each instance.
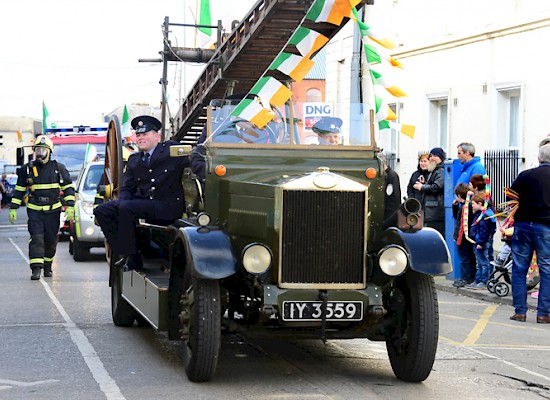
(148, 295)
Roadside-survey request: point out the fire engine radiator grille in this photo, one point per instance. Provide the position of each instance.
(322, 237)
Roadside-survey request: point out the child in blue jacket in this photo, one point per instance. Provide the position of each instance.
(482, 231)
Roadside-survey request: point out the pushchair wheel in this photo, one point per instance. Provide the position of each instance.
(502, 289)
(491, 283)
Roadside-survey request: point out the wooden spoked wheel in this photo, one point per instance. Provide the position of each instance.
(114, 163)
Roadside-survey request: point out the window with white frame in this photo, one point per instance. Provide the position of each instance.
(439, 122)
(509, 115)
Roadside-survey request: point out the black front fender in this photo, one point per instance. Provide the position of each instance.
(208, 252)
(428, 252)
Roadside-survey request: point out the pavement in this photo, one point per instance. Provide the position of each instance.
(445, 284)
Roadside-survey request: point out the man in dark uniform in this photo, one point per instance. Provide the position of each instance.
(151, 189)
(327, 130)
(44, 178)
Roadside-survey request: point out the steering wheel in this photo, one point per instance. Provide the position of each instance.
(247, 134)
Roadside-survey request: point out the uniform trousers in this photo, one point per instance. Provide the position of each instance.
(43, 228)
(118, 220)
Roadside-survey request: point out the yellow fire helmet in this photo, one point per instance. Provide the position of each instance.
(43, 148)
(43, 141)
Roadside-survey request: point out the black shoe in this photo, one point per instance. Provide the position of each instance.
(47, 271)
(35, 273)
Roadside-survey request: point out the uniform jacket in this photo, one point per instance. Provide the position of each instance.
(484, 230)
(470, 168)
(432, 190)
(44, 182)
(161, 180)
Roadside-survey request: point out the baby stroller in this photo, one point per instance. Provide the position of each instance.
(499, 280)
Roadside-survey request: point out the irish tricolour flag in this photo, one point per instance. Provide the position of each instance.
(269, 89)
(253, 111)
(307, 41)
(331, 11)
(204, 34)
(296, 67)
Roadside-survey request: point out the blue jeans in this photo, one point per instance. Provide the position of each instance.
(529, 237)
(483, 264)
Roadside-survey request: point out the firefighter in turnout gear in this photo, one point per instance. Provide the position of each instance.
(46, 182)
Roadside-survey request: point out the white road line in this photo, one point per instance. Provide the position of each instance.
(107, 385)
(511, 364)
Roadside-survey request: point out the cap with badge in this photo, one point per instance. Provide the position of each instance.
(145, 123)
(327, 125)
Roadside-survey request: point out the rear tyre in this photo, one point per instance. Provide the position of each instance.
(122, 312)
(201, 321)
(411, 340)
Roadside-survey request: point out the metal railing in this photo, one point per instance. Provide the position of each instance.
(502, 166)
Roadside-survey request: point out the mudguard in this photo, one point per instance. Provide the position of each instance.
(208, 252)
(428, 252)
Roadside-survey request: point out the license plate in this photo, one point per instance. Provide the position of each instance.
(311, 311)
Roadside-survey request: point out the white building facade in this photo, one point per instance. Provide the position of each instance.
(474, 71)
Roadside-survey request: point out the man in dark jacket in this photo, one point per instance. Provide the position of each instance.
(432, 190)
(531, 233)
(151, 189)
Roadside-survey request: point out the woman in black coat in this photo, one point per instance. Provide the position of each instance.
(432, 192)
(420, 175)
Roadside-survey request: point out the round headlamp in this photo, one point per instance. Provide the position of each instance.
(393, 260)
(256, 258)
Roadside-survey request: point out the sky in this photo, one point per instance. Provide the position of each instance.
(81, 56)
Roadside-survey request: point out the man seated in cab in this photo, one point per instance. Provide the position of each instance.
(327, 130)
(151, 190)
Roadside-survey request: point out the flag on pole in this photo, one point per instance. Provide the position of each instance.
(205, 18)
(294, 66)
(125, 126)
(45, 115)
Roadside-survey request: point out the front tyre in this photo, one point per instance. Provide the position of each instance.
(411, 340)
(201, 321)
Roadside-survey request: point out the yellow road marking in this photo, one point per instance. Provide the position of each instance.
(497, 346)
(514, 325)
(479, 327)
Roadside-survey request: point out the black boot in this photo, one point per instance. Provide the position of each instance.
(35, 273)
(47, 271)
